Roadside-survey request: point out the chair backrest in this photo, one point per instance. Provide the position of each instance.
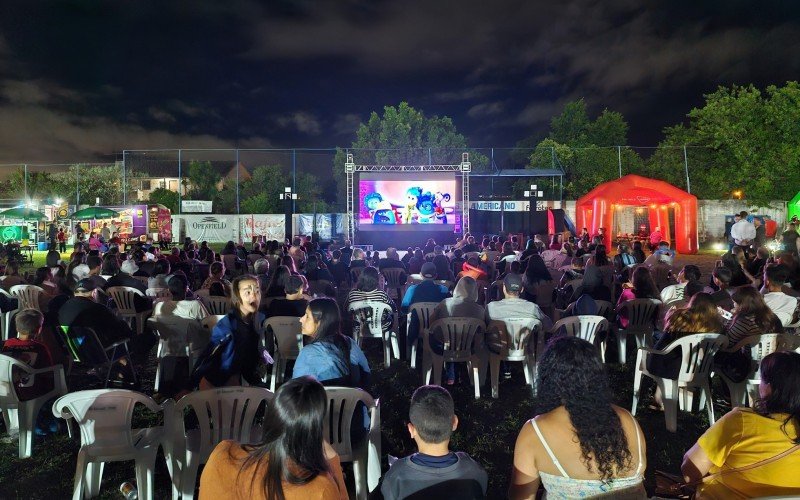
(222, 413)
(544, 293)
(495, 291)
(123, 297)
(84, 345)
(641, 313)
(604, 308)
(203, 292)
(369, 315)
(322, 287)
(698, 354)
(342, 402)
(585, 327)
(104, 416)
(8, 392)
(179, 336)
(574, 284)
(354, 274)
(143, 279)
(159, 293)
(423, 310)
(512, 335)
(216, 305)
(460, 336)
(287, 333)
(230, 263)
(763, 345)
(395, 277)
(27, 295)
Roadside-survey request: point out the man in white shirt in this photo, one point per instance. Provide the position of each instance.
(782, 305)
(179, 306)
(743, 232)
(512, 306)
(673, 293)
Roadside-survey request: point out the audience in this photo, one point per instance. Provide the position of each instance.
(784, 306)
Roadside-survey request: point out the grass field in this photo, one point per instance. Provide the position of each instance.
(487, 429)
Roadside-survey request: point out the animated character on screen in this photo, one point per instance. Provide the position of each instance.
(385, 214)
(426, 207)
(371, 201)
(439, 211)
(410, 212)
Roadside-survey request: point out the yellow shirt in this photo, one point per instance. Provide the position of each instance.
(743, 437)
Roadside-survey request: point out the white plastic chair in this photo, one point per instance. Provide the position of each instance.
(159, 294)
(395, 282)
(20, 416)
(697, 353)
(142, 279)
(463, 343)
(27, 295)
(423, 312)
(514, 338)
(369, 315)
(641, 315)
(585, 327)
(123, 298)
(5, 318)
(366, 458)
(222, 413)
(216, 305)
(288, 337)
(177, 337)
(104, 417)
(760, 346)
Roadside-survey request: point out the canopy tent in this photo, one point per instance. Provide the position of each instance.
(596, 209)
(793, 207)
(22, 213)
(94, 213)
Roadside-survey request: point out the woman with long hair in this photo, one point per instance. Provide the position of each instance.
(330, 356)
(745, 436)
(292, 460)
(580, 445)
(415, 262)
(600, 257)
(277, 282)
(237, 335)
(641, 286)
(638, 252)
(751, 316)
(315, 269)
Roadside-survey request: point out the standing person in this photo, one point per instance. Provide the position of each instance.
(789, 238)
(761, 233)
(62, 240)
(291, 462)
(236, 336)
(743, 232)
(52, 236)
(655, 238)
(80, 234)
(105, 232)
(744, 437)
(580, 445)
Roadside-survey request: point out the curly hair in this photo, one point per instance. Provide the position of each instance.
(572, 375)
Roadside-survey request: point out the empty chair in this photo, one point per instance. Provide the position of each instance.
(104, 417)
(288, 337)
(124, 299)
(85, 348)
(223, 413)
(27, 295)
(586, 327)
(510, 340)
(366, 457)
(697, 358)
(20, 416)
(462, 340)
(369, 315)
(641, 314)
(216, 305)
(178, 337)
(422, 312)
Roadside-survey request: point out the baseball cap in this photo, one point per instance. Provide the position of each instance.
(428, 270)
(80, 271)
(513, 282)
(85, 285)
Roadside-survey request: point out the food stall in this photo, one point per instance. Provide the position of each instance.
(136, 222)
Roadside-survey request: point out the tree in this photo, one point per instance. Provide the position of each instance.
(94, 181)
(262, 193)
(203, 179)
(165, 197)
(742, 139)
(405, 136)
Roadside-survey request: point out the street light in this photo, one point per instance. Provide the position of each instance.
(288, 196)
(532, 194)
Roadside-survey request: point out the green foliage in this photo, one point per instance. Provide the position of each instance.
(261, 194)
(203, 180)
(165, 197)
(405, 136)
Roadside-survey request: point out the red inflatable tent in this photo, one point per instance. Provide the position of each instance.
(596, 208)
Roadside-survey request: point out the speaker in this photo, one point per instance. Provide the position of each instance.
(538, 222)
(558, 220)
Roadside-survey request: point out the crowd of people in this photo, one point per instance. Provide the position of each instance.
(579, 445)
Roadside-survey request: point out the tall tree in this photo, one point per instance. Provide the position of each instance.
(203, 180)
(165, 197)
(405, 136)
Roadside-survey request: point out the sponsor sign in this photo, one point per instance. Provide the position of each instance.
(217, 228)
(270, 226)
(196, 206)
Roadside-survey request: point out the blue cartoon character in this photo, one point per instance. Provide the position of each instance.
(426, 206)
(384, 213)
(410, 209)
(372, 200)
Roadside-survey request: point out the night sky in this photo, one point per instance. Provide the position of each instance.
(83, 80)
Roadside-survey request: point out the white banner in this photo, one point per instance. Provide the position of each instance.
(512, 206)
(271, 226)
(212, 228)
(196, 206)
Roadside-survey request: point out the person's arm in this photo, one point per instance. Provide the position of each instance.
(713, 447)
(524, 475)
(406, 304)
(696, 464)
(336, 469)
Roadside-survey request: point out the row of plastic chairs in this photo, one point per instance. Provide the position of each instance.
(104, 417)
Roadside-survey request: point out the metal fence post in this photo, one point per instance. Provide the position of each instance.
(78, 184)
(237, 182)
(180, 182)
(686, 169)
(25, 180)
(619, 160)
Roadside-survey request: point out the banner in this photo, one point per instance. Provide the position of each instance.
(212, 228)
(512, 206)
(268, 225)
(325, 225)
(196, 206)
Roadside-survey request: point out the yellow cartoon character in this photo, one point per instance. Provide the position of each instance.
(410, 210)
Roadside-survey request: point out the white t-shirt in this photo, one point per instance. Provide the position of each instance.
(743, 231)
(672, 293)
(782, 305)
(189, 309)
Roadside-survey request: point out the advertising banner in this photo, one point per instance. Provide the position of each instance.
(196, 206)
(213, 228)
(270, 226)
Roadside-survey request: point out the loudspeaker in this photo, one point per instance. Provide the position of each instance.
(538, 222)
(558, 220)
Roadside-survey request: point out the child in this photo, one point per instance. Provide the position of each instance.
(434, 470)
(32, 352)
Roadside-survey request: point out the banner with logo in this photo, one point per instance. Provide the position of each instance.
(270, 226)
(328, 225)
(212, 228)
(512, 205)
(196, 206)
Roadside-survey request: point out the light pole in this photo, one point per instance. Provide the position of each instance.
(532, 195)
(288, 197)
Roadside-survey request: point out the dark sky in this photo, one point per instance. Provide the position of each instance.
(82, 80)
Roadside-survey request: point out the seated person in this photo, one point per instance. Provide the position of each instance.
(721, 277)
(121, 278)
(512, 306)
(783, 305)
(672, 293)
(179, 306)
(292, 462)
(294, 304)
(28, 348)
(745, 436)
(426, 291)
(434, 471)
